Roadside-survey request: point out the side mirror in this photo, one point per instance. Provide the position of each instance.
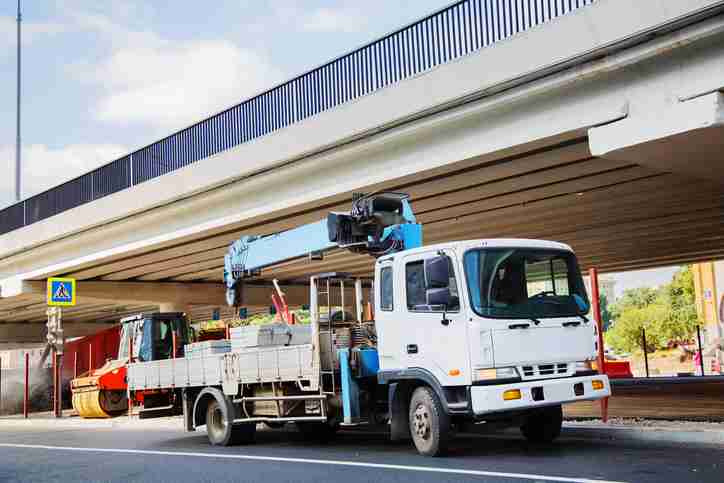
(438, 297)
(437, 272)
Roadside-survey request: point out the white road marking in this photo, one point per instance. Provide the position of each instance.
(419, 469)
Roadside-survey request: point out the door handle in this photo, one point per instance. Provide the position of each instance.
(519, 326)
(571, 324)
(412, 348)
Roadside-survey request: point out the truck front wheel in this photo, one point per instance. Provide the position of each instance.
(222, 432)
(429, 424)
(544, 425)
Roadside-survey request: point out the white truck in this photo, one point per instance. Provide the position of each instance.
(470, 331)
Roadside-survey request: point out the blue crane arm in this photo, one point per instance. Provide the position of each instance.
(250, 254)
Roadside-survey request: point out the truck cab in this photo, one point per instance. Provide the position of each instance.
(494, 329)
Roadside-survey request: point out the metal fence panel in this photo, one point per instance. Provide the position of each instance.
(453, 32)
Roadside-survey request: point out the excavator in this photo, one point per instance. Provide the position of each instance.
(103, 392)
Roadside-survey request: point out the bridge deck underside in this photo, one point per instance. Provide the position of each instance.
(616, 215)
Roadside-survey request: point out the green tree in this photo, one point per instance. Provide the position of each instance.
(680, 297)
(637, 298)
(627, 335)
(668, 314)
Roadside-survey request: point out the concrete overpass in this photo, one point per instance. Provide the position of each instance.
(601, 128)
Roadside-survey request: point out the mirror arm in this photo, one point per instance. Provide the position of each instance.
(445, 320)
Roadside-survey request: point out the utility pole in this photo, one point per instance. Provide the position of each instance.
(17, 140)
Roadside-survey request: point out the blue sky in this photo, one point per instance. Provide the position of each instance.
(104, 77)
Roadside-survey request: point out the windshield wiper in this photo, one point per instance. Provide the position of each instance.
(585, 319)
(524, 325)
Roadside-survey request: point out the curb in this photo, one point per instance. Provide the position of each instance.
(77, 423)
(657, 435)
(571, 431)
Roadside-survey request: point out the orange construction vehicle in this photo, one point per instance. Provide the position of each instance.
(103, 392)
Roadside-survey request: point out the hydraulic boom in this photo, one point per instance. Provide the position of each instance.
(377, 224)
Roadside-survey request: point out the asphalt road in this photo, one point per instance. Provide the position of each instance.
(42, 453)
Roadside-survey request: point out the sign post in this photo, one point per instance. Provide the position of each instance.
(61, 293)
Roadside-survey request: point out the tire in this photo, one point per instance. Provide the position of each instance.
(221, 432)
(430, 426)
(319, 432)
(543, 426)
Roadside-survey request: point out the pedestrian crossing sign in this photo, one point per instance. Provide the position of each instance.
(61, 292)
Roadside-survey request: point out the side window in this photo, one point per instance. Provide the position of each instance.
(416, 288)
(415, 285)
(386, 289)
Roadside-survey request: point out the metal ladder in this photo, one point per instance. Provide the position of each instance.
(329, 328)
(329, 373)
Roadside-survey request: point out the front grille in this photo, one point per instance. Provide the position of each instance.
(543, 371)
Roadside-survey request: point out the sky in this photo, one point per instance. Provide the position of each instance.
(654, 277)
(102, 78)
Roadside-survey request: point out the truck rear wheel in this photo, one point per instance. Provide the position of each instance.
(221, 431)
(544, 425)
(429, 424)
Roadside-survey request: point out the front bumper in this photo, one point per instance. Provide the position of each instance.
(489, 399)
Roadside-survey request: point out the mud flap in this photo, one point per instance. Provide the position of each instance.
(398, 399)
(187, 404)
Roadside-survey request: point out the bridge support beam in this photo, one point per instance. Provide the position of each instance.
(686, 138)
(152, 292)
(23, 334)
(171, 297)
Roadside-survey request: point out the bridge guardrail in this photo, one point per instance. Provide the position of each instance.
(457, 30)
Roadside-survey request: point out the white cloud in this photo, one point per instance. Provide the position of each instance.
(45, 167)
(334, 20)
(171, 84)
(166, 84)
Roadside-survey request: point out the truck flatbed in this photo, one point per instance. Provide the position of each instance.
(253, 365)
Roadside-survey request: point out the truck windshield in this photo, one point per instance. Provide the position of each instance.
(127, 330)
(525, 283)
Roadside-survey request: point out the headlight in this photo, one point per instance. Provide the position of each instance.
(498, 373)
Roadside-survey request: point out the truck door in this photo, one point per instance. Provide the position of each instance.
(388, 317)
(435, 336)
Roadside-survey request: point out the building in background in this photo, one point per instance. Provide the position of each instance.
(607, 287)
(709, 289)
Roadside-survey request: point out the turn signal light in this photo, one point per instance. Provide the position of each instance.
(597, 384)
(454, 372)
(511, 395)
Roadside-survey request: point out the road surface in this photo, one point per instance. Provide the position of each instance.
(162, 453)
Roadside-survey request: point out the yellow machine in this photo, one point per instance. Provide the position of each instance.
(103, 393)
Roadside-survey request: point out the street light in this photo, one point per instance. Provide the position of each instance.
(17, 140)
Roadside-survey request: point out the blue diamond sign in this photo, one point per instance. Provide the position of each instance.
(61, 292)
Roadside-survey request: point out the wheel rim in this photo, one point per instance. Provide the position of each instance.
(422, 422)
(216, 424)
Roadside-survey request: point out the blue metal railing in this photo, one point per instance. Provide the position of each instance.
(448, 34)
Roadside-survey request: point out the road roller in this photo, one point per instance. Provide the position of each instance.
(103, 392)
